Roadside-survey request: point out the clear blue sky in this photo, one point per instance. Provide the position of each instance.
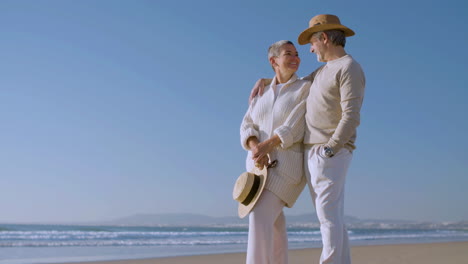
(112, 108)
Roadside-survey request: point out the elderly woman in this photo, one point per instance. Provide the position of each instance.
(273, 129)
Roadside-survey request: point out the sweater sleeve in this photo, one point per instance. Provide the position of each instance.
(248, 128)
(352, 84)
(292, 130)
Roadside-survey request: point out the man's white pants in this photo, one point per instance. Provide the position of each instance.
(268, 240)
(326, 178)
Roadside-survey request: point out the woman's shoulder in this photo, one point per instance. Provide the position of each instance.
(304, 82)
(261, 99)
(302, 85)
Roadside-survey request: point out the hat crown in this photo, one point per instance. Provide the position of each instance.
(323, 23)
(324, 19)
(243, 186)
(248, 188)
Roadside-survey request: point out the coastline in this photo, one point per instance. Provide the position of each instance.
(427, 253)
(46, 244)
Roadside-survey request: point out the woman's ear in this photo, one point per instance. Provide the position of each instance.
(273, 61)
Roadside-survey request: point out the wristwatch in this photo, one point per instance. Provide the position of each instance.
(328, 151)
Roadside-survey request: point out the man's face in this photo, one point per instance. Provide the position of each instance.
(317, 46)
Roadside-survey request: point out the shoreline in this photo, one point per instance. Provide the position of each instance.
(427, 253)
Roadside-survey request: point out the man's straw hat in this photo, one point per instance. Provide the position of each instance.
(248, 188)
(321, 23)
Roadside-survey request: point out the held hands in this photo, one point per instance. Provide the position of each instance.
(259, 156)
(260, 150)
(262, 163)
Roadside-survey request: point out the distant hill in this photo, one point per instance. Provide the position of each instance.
(197, 219)
(309, 220)
(175, 219)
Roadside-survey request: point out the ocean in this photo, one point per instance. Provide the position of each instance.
(28, 244)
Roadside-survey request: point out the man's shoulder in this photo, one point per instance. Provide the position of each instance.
(346, 66)
(349, 62)
(352, 69)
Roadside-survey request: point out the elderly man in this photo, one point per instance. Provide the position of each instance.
(332, 116)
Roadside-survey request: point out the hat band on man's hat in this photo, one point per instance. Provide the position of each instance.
(253, 191)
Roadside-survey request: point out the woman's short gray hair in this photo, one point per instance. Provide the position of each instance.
(275, 48)
(337, 37)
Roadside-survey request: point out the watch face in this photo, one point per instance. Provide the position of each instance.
(324, 152)
(328, 152)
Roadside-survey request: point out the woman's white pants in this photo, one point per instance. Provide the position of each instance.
(268, 241)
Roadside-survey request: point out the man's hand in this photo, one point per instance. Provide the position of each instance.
(258, 88)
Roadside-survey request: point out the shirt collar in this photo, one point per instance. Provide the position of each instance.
(291, 80)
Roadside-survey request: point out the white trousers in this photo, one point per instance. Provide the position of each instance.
(326, 179)
(268, 240)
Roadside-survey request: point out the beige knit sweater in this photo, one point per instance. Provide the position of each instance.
(334, 104)
(284, 117)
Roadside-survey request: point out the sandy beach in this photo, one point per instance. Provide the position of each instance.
(431, 253)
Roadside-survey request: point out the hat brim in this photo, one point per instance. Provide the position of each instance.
(304, 37)
(244, 210)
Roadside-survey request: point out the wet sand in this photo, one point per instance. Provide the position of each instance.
(431, 253)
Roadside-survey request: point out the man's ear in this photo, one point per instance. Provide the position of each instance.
(325, 38)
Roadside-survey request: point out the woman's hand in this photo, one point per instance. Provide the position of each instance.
(253, 143)
(261, 150)
(262, 163)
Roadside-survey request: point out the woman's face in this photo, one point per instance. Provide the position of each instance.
(288, 60)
